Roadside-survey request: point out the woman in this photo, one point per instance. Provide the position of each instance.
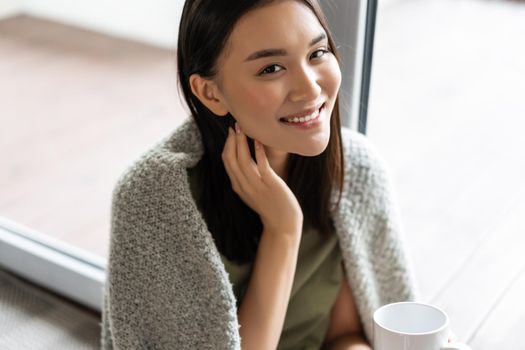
(280, 234)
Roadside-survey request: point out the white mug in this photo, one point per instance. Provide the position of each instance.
(412, 326)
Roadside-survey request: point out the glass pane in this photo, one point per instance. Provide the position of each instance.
(83, 97)
(77, 107)
(82, 102)
(446, 112)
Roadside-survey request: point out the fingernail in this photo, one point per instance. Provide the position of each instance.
(257, 145)
(237, 128)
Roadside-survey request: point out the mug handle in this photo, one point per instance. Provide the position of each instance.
(456, 346)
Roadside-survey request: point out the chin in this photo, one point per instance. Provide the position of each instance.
(312, 151)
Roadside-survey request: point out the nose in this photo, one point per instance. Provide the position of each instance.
(305, 85)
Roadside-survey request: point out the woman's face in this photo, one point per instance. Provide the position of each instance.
(258, 92)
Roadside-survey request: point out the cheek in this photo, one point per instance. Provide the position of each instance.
(255, 105)
(260, 100)
(333, 77)
(255, 98)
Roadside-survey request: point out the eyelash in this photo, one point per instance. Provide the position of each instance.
(265, 68)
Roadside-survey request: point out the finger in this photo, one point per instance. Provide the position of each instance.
(228, 156)
(247, 166)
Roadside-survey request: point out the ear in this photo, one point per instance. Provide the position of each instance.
(207, 92)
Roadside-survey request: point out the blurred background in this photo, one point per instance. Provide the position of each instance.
(87, 87)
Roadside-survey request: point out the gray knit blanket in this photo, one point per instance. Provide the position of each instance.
(166, 285)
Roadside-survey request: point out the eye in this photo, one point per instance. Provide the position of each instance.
(323, 51)
(266, 72)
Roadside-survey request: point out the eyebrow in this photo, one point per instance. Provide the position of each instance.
(279, 52)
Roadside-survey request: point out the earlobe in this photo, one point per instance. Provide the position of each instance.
(206, 90)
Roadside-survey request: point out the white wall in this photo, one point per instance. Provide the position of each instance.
(154, 21)
(10, 8)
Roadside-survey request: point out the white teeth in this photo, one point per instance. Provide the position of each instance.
(303, 119)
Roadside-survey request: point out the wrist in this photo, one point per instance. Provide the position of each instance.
(291, 240)
(288, 232)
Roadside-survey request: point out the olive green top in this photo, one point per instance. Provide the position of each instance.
(315, 287)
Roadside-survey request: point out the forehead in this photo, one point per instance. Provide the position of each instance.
(282, 24)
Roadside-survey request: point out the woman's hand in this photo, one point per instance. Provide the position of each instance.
(259, 186)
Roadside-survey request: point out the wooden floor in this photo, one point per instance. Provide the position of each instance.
(446, 110)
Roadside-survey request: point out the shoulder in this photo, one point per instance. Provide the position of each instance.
(368, 184)
(360, 152)
(363, 160)
(154, 168)
(152, 208)
(160, 170)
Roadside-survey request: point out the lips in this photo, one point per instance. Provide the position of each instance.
(303, 113)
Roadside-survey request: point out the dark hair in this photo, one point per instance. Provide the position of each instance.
(205, 28)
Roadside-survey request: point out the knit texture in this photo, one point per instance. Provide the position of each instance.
(166, 286)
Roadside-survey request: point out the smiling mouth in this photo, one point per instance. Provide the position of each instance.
(303, 120)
